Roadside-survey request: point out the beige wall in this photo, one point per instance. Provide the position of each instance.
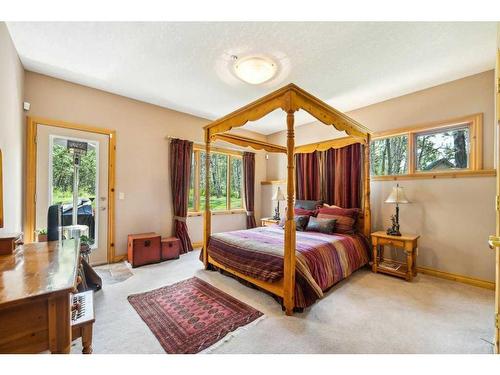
(11, 131)
(453, 216)
(141, 152)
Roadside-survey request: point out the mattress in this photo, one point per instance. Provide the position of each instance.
(322, 260)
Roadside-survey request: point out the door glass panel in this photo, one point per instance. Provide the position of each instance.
(61, 179)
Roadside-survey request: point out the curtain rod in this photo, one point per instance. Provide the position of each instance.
(169, 137)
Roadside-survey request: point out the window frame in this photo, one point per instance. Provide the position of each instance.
(230, 154)
(475, 161)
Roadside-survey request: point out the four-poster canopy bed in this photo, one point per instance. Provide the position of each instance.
(290, 99)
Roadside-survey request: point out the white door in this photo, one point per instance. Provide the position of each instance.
(54, 183)
(494, 240)
(497, 248)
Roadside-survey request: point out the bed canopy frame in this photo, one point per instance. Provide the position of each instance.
(290, 99)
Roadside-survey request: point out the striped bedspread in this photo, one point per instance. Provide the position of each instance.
(322, 260)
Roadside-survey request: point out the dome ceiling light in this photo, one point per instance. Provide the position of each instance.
(254, 69)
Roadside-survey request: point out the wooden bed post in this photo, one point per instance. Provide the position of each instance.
(290, 98)
(289, 251)
(207, 222)
(366, 189)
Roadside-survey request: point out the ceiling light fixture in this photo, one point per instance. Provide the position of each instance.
(254, 70)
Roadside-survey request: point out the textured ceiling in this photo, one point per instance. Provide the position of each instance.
(186, 66)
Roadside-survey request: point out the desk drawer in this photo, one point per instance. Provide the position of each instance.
(390, 242)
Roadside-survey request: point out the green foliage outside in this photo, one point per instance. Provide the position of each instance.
(446, 150)
(389, 156)
(62, 175)
(434, 151)
(218, 182)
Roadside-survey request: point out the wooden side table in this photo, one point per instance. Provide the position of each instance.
(268, 221)
(407, 242)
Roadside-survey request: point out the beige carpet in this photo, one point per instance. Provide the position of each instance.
(367, 313)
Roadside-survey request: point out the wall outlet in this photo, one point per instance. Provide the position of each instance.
(121, 196)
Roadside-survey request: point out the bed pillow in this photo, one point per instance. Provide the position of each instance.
(301, 222)
(330, 205)
(326, 226)
(298, 212)
(308, 204)
(346, 218)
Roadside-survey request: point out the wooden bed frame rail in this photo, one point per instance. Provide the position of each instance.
(290, 99)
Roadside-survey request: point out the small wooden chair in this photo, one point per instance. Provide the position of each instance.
(82, 319)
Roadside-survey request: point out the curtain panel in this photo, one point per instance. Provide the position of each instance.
(181, 153)
(333, 176)
(249, 187)
(307, 176)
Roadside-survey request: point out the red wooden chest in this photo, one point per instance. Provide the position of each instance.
(170, 248)
(144, 248)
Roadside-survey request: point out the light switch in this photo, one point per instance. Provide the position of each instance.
(121, 195)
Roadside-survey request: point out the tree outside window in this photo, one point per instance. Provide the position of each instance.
(226, 176)
(443, 150)
(451, 146)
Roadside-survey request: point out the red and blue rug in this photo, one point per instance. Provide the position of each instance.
(191, 315)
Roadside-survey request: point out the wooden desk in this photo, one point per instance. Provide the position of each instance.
(36, 282)
(407, 242)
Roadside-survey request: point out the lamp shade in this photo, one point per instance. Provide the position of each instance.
(278, 195)
(397, 196)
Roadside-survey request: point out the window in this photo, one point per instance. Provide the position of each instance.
(236, 183)
(226, 176)
(389, 156)
(444, 148)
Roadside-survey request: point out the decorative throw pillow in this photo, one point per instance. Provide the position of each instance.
(321, 225)
(346, 218)
(308, 204)
(306, 212)
(301, 222)
(297, 212)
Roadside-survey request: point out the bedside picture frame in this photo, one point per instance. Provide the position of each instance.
(1, 191)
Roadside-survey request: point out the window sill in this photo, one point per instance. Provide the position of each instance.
(434, 175)
(214, 213)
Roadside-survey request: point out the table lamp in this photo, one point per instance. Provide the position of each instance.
(398, 197)
(278, 196)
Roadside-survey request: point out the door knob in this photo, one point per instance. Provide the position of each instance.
(494, 241)
(102, 208)
(102, 198)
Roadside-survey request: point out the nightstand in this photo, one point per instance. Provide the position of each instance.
(268, 221)
(407, 242)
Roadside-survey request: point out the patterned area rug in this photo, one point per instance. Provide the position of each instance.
(191, 315)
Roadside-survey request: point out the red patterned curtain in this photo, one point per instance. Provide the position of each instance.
(342, 176)
(249, 187)
(307, 176)
(333, 175)
(181, 153)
